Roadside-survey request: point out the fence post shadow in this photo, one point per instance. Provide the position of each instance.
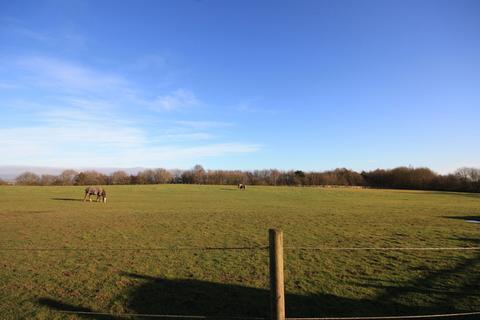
(62, 307)
(194, 297)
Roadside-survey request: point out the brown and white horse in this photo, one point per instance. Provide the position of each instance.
(96, 191)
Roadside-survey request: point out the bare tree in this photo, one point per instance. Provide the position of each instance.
(66, 178)
(199, 174)
(468, 174)
(274, 174)
(90, 178)
(120, 177)
(162, 176)
(48, 180)
(146, 177)
(188, 177)
(28, 179)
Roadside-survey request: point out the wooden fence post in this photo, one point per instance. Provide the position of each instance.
(277, 287)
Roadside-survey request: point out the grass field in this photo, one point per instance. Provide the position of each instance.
(36, 284)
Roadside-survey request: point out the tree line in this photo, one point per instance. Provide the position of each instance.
(464, 179)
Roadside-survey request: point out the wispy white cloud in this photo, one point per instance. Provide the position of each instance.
(251, 106)
(91, 145)
(199, 124)
(71, 77)
(79, 134)
(88, 104)
(75, 40)
(84, 134)
(66, 37)
(168, 156)
(18, 30)
(172, 153)
(84, 116)
(178, 99)
(177, 137)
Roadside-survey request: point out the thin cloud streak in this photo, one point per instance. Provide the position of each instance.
(118, 149)
(67, 78)
(204, 124)
(82, 116)
(73, 135)
(179, 137)
(54, 73)
(178, 99)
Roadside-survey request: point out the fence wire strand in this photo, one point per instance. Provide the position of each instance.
(160, 316)
(140, 249)
(382, 248)
(426, 316)
(186, 248)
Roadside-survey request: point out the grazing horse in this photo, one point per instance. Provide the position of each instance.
(241, 186)
(96, 191)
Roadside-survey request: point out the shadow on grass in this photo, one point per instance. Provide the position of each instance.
(157, 296)
(465, 218)
(193, 298)
(65, 307)
(228, 189)
(436, 292)
(443, 287)
(441, 193)
(66, 199)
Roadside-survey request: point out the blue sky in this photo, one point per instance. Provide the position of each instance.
(309, 85)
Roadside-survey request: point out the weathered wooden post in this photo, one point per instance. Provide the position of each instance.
(277, 287)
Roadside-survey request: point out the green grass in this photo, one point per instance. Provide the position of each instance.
(36, 284)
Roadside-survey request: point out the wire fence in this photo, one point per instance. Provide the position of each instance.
(258, 247)
(186, 317)
(194, 248)
(141, 249)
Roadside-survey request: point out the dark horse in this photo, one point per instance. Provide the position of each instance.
(96, 191)
(241, 186)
